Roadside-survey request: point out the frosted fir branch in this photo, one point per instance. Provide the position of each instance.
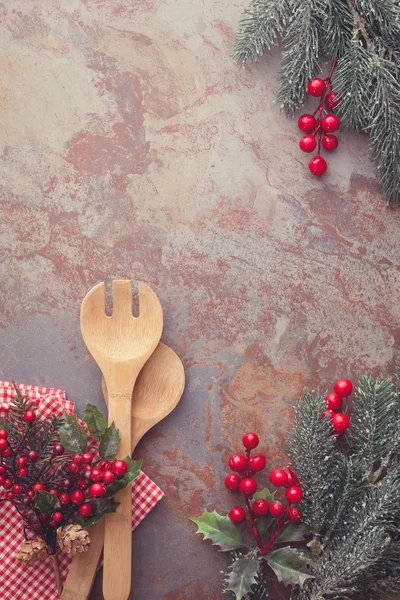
(260, 28)
(336, 28)
(382, 16)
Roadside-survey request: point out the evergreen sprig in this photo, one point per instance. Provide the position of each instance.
(364, 35)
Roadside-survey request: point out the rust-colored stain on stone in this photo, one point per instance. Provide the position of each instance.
(134, 147)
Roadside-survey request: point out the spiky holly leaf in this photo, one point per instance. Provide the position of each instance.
(220, 530)
(46, 503)
(263, 523)
(101, 507)
(72, 435)
(294, 532)
(109, 442)
(132, 473)
(94, 419)
(241, 576)
(292, 566)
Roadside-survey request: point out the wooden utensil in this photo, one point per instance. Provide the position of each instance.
(157, 391)
(121, 345)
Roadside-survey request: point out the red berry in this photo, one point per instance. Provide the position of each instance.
(78, 459)
(29, 416)
(17, 489)
(2, 479)
(22, 461)
(3, 444)
(96, 475)
(260, 507)
(3, 433)
(317, 166)
(86, 474)
(82, 484)
(294, 514)
(340, 422)
(3, 470)
(306, 123)
(334, 401)
(307, 143)
(278, 478)
(23, 472)
(119, 468)
(38, 487)
(250, 441)
(232, 482)
(85, 509)
(30, 493)
(237, 463)
(292, 478)
(328, 413)
(59, 449)
(26, 501)
(294, 494)
(330, 123)
(66, 484)
(10, 495)
(108, 477)
(54, 491)
(276, 508)
(77, 497)
(316, 87)
(6, 453)
(248, 486)
(73, 468)
(257, 462)
(44, 519)
(237, 515)
(64, 498)
(87, 458)
(330, 142)
(57, 517)
(343, 387)
(8, 484)
(97, 490)
(32, 455)
(332, 100)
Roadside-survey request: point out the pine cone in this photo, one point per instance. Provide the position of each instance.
(73, 539)
(32, 551)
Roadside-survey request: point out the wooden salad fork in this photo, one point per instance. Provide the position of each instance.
(121, 345)
(157, 391)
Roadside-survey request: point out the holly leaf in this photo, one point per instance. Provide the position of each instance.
(294, 532)
(46, 503)
(109, 442)
(220, 530)
(242, 576)
(263, 523)
(72, 435)
(132, 473)
(292, 566)
(94, 419)
(101, 506)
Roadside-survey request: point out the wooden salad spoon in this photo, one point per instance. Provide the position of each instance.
(121, 345)
(158, 389)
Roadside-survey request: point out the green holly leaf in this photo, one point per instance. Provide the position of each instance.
(242, 576)
(294, 532)
(101, 507)
(46, 503)
(292, 566)
(72, 435)
(109, 442)
(94, 419)
(263, 523)
(132, 473)
(220, 530)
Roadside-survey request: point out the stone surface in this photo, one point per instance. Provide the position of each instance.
(133, 147)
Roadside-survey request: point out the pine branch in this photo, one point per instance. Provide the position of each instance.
(383, 16)
(336, 28)
(260, 28)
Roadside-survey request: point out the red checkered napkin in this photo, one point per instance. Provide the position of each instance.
(21, 583)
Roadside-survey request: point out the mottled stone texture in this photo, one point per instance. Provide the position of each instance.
(134, 147)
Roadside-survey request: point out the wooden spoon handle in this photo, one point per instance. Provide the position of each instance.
(118, 526)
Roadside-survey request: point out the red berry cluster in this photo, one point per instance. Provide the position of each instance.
(76, 480)
(245, 468)
(334, 400)
(320, 124)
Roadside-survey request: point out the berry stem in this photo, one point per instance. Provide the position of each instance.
(56, 569)
(253, 525)
(270, 543)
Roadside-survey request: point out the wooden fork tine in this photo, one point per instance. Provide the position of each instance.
(95, 301)
(122, 299)
(149, 304)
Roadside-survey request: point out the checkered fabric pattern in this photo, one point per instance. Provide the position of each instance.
(16, 581)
